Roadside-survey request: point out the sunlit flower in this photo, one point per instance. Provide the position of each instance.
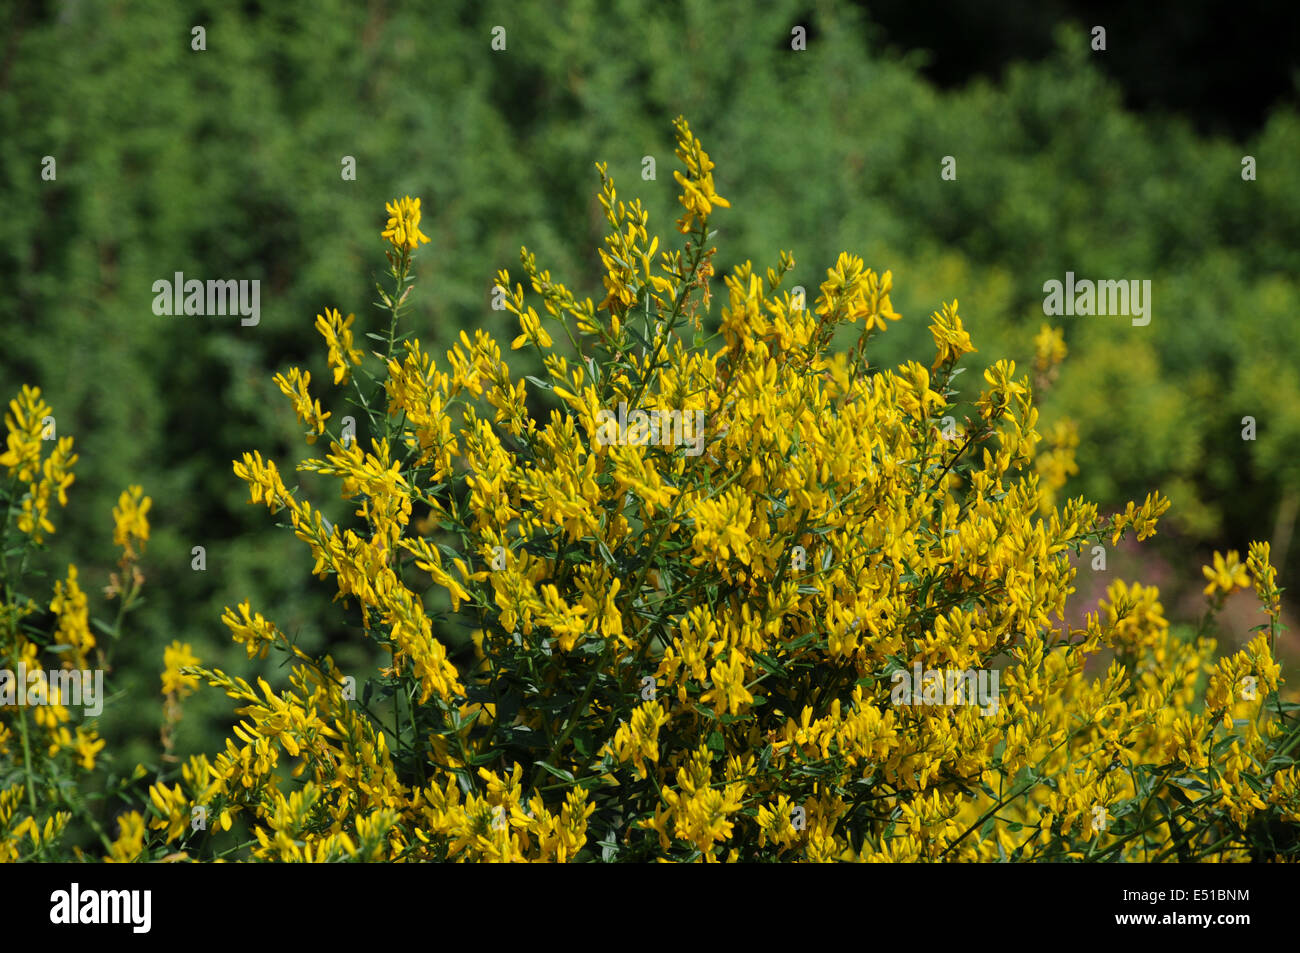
(1227, 574)
(403, 226)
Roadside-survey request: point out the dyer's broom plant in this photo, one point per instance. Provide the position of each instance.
(733, 594)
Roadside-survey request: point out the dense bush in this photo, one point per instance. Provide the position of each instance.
(226, 164)
(729, 635)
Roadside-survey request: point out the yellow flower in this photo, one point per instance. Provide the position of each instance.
(58, 467)
(403, 227)
(639, 739)
(87, 746)
(130, 522)
(417, 392)
(33, 519)
(728, 692)
(130, 840)
(722, 528)
(950, 340)
(999, 377)
(264, 483)
(251, 629)
(1049, 348)
(309, 412)
(174, 682)
(1142, 519)
(337, 332)
(852, 291)
(174, 808)
(1264, 577)
(70, 607)
(25, 421)
(1228, 574)
(534, 333)
(698, 194)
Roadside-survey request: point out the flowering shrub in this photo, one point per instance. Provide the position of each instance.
(832, 629)
(47, 761)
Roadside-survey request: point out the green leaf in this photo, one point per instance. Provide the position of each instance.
(558, 772)
(768, 665)
(606, 555)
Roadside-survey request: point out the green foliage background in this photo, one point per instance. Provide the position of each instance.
(226, 164)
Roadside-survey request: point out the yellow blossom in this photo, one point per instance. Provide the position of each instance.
(951, 341)
(309, 412)
(337, 332)
(174, 682)
(403, 226)
(1228, 574)
(130, 520)
(698, 195)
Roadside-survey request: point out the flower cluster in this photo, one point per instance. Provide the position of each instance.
(689, 657)
(403, 228)
(29, 423)
(680, 656)
(51, 662)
